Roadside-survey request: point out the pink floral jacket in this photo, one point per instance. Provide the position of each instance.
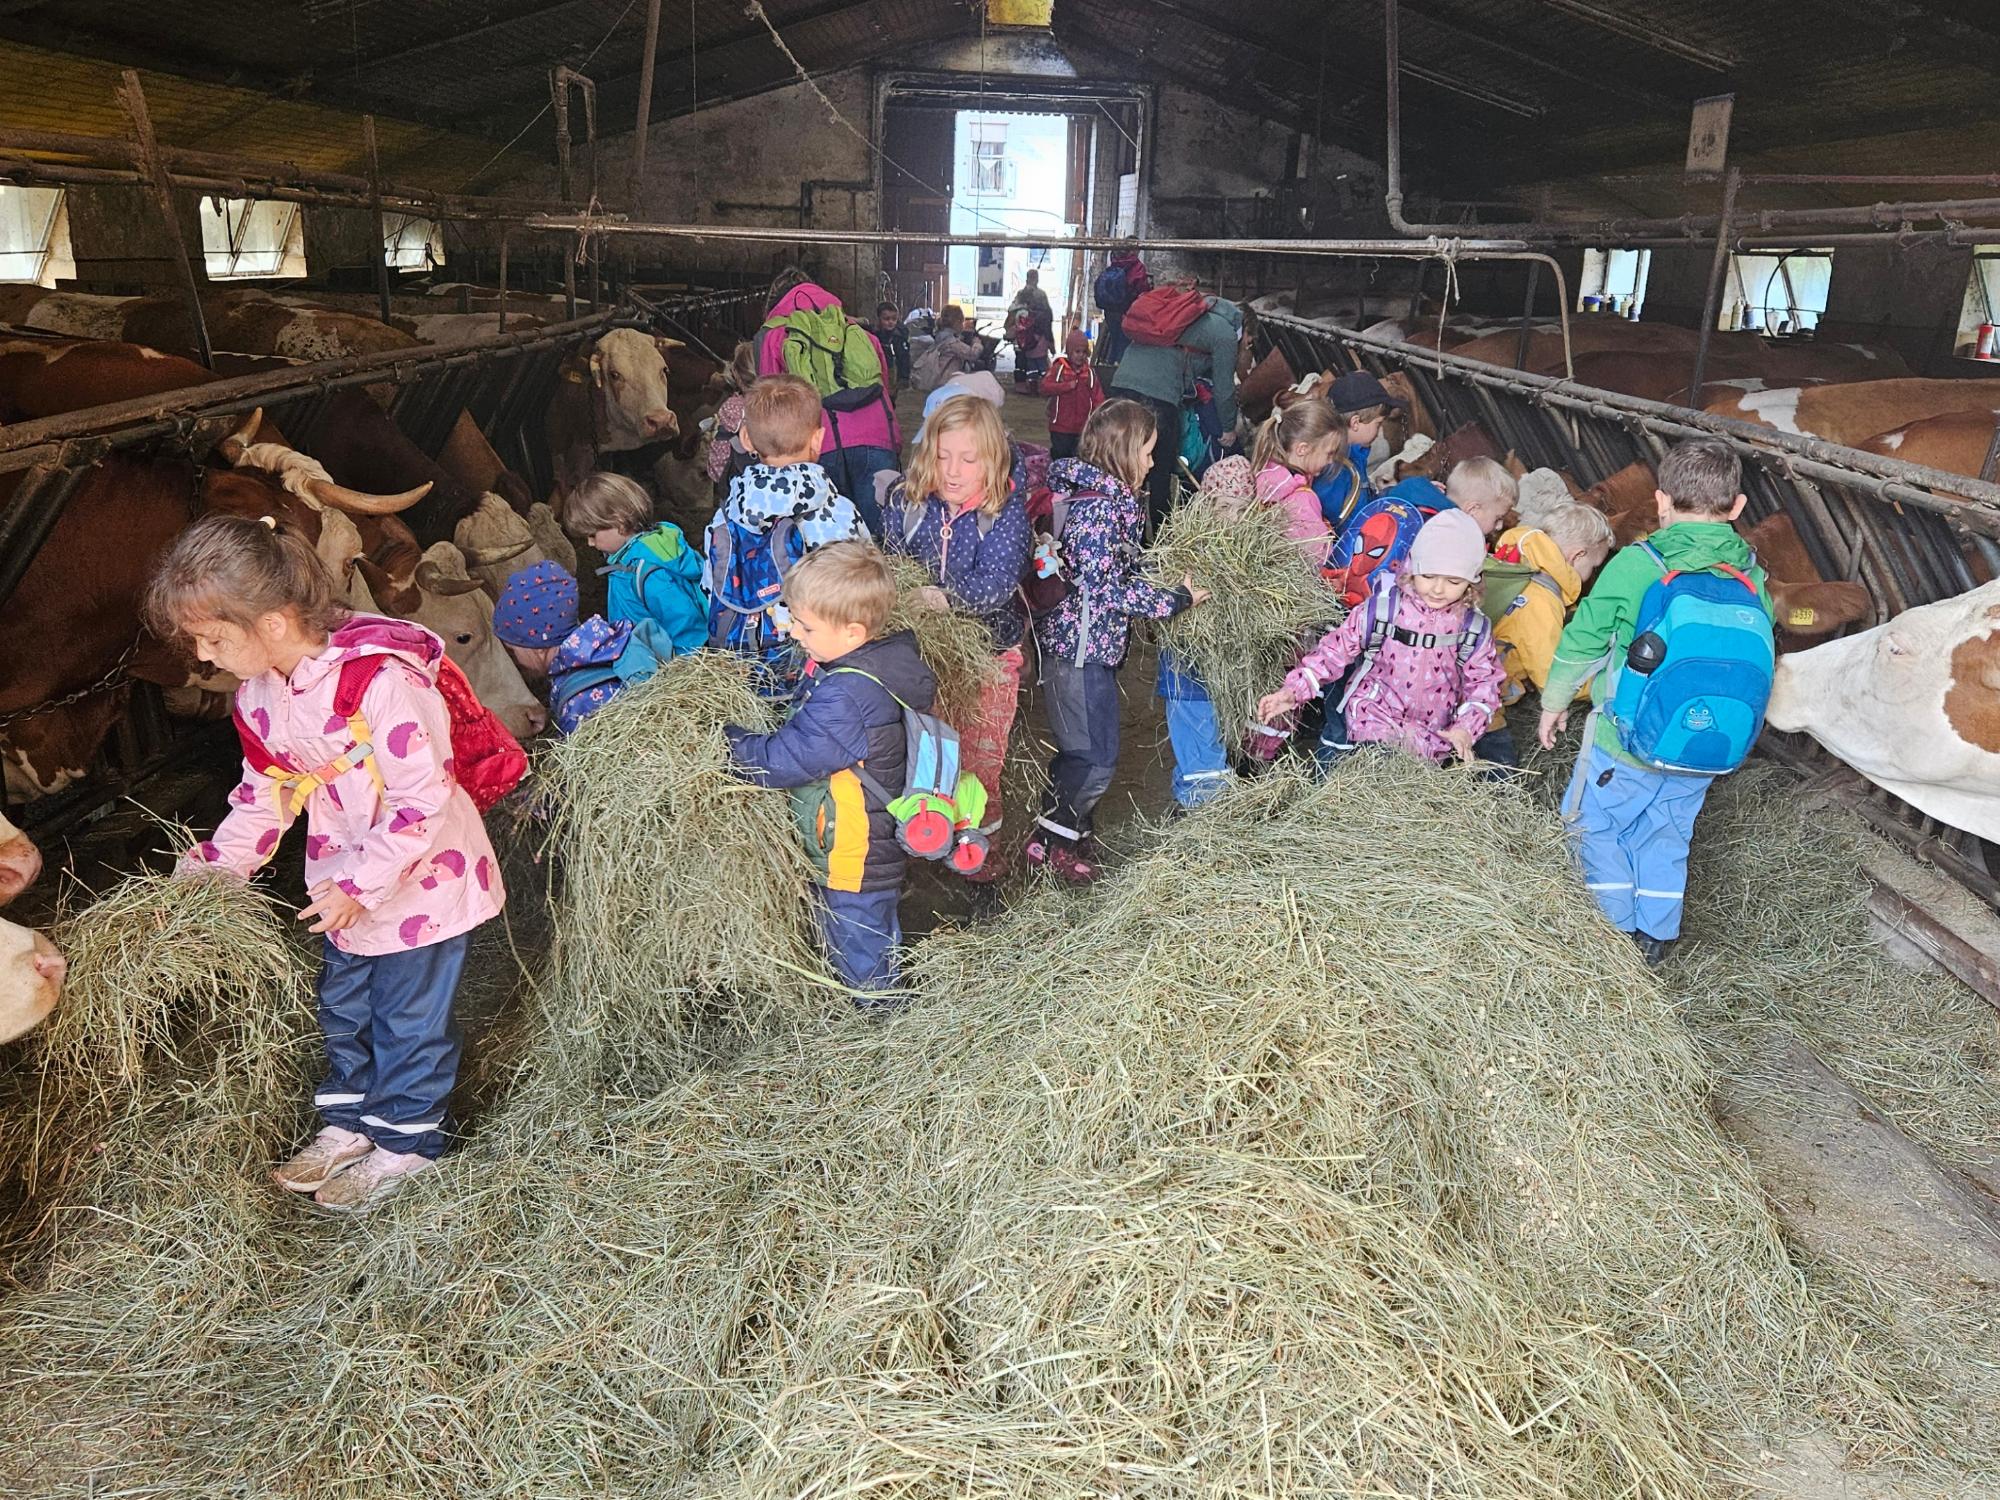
(413, 852)
(1304, 524)
(1413, 692)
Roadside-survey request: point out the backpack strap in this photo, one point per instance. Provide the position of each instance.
(1381, 608)
(860, 768)
(1549, 583)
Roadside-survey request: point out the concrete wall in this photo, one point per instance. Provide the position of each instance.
(118, 244)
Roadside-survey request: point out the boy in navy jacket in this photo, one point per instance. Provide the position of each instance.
(849, 712)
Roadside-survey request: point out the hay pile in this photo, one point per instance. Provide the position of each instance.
(1269, 602)
(955, 646)
(679, 890)
(1260, 1178)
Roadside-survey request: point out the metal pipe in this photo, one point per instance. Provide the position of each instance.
(381, 223)
(1958, 499)
(1718, 270)
(642, 118)
(1873, 179)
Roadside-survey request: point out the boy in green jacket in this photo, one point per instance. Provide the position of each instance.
(1632, 823)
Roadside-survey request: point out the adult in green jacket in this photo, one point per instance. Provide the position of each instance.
(1160, 375)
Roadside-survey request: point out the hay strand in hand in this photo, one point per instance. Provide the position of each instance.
(956, 647)
(1268, 601)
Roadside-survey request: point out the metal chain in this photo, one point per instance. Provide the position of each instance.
(109, 680)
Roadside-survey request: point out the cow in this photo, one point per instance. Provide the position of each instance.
(243, 320)
(1913, 705)
(445, 599)
(1957, 442)
(31, 976)
(498, 544)
(20, 861)
(612, 400)
(1851, 414)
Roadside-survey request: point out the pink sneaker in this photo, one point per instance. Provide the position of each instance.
(1073, 867)
(370, 1181)
(330, 1153)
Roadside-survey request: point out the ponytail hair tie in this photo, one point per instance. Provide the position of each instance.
(270, 521)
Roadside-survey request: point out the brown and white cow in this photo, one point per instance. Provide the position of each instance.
(244, 320)
(612, 400)
(1853, 413)
(1957, 442)
(1913, 705)
(443, 597)
(20, 861)
(31, 976)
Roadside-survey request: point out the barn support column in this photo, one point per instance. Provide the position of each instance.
(381, 224)
(146, 156)
(1718, 269)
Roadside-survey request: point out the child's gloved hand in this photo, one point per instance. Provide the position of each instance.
(1272, 704)
(1460, 740)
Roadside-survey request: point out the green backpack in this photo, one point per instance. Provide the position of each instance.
(1505, 583)
(824, 346)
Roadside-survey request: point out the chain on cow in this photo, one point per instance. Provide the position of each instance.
(105, 683)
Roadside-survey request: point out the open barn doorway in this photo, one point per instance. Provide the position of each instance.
(1015, 176)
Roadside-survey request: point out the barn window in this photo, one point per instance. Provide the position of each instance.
(1778, 291)
(1982, 300)
(412, 243)
(1616, 279)
(34, 235)
(244, 237)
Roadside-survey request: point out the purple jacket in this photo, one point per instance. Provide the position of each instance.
(874, 425)
(977, 560)
(1101, 544)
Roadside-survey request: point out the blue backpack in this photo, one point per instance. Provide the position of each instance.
(1374, 544)
(1691, 693)
(747, 571)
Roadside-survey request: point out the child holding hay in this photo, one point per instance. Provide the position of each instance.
(397, 860)
(1631, 823)
(1082, 640)
(587, 664)
(651, 572)
(960, 514)
(779, 509)
(1426, 677)
(849, 711)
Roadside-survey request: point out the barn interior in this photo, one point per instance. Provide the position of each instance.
(1572, 233)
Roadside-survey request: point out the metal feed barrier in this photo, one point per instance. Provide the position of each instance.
(1905, 532)
(505, 382)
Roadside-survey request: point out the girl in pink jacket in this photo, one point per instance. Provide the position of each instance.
(1294, 444)
(398, 865)
(1429, 679)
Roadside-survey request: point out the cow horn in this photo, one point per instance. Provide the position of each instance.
(393, 596)
(360, 502)
(486, 557)
(434, 580)
(244, 435)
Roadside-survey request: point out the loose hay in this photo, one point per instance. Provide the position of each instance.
(681, 891)
(1256, 1172)
(1269, 601)
(956, 647)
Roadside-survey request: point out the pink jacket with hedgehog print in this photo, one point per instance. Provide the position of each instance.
(414, 851)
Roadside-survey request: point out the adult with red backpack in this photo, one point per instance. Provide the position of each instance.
(807, 333)
(1177, 337)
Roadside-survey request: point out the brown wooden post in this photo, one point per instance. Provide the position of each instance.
(146, 157)
(381, 224)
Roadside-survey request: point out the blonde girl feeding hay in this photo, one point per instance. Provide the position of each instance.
(1082, 640)
(958, 512)
(397, 861)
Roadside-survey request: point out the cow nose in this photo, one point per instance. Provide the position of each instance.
(661, 422)
(538, 718)
(50, 964)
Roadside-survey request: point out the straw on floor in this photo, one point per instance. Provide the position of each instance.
(1263, 1177)
(1269, 602)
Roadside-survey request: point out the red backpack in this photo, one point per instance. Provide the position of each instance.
(1162, 315)
(486, 760)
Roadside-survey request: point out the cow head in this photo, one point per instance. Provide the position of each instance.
(51, 750)
(20, 862)
(628, 373)
(445, 598)
(1809, 609)
(1913, 705)
(31, 976)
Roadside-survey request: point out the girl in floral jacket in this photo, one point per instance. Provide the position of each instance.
(1082, 640)
(397, 860)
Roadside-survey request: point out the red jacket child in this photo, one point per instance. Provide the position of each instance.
(1072, 388)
